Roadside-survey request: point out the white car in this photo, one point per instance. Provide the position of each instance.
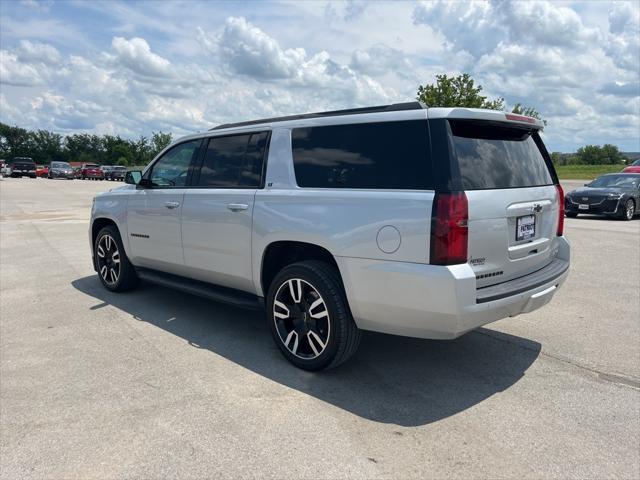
(425, 222)
(5, 169)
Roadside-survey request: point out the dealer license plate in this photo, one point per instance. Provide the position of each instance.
(525, 227)
(583, 206)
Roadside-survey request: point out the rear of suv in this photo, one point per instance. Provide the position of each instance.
(23, 166)
(91, 171)
(397, 219)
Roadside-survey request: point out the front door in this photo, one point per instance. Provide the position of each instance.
(154, 210)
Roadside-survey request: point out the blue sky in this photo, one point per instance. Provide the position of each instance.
(130, 68)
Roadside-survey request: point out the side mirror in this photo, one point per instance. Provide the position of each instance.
(133, 177)
(587, 184)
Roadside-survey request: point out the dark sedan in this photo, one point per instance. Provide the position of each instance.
(115, 173)
(615, 194)
(60, 170)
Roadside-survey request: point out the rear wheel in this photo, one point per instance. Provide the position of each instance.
(114, 269)
(309, 316)
(628, 210)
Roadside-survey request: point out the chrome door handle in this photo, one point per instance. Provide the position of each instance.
(172, 204)
(236, 207)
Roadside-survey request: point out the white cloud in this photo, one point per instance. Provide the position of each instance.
(623, 42)
(164, 66)
(15, 72)
(379, 60)
(136, 55)
(38, 52)
(250, 51)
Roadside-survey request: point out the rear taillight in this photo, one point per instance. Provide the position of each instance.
(449, 229)
(560, 210)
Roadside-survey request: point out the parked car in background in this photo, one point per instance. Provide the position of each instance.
(115, 172)
(398, 219)
(23, 166)
(614, 195)
(633, 168)
(77, 172)
(42, 171)
(5, 169)
(60, 170)
(92, 171)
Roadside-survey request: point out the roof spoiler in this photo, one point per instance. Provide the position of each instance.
(487, 115)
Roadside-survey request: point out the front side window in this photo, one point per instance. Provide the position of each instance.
(389, 155)
(234, 161)
(172, 168)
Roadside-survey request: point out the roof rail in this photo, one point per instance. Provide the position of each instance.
(396, 107)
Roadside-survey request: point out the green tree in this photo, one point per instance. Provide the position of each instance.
(85, 147)
(159, 141)
(45, 147)
(520, 109)
(122, 161)
(611, 154)
(14, 142)
(589, 155)
(459, 91)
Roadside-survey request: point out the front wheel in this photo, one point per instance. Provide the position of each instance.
(114, 269)
(628, 210)
(309, 316)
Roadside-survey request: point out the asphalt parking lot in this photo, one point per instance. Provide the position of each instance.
(156, 383)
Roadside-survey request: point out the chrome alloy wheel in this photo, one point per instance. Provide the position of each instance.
(108, 259)
(629, 209)
(301, 318)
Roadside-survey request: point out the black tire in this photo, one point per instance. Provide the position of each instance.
(571, 214)
(126, 278)
(628, 210)
(343, 336)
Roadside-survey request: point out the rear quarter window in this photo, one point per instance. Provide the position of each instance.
(491, 156)
(389, 155)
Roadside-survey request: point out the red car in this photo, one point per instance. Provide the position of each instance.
(42, 170)
(633, 168)
(92, 171)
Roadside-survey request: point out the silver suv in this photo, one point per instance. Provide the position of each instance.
(397, 219)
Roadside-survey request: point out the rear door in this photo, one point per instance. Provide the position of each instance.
(217, 213)
(512, 197)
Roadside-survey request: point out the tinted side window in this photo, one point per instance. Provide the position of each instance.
(172, 168)
(251, 173)
(390, 155)
(491, 156)
(234, 161)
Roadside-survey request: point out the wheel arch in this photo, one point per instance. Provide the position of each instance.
(280, 253)
(98, 224)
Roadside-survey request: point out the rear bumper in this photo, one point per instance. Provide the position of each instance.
(428, 301)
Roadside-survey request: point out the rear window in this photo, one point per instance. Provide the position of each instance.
(492, 156)
(390, 155)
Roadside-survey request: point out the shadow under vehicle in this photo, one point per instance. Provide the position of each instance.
(396, 380)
